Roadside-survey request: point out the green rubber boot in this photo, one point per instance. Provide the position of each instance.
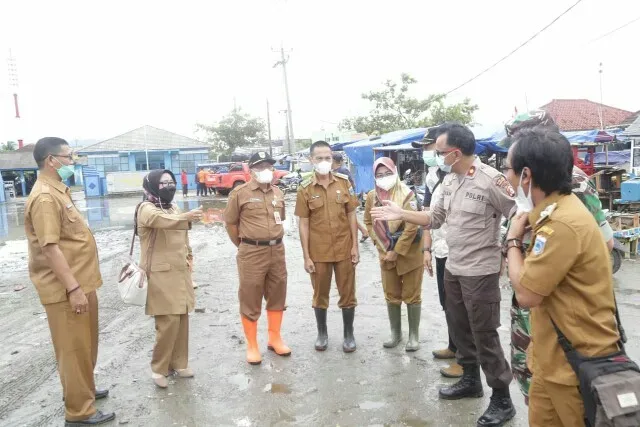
(413, 311)
(394, 311)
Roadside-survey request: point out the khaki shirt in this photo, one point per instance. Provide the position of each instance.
(472, 207)
(170, 287)
(409, 250)
(568, 263)
(254, 210)
(327, 210)
(50, 217)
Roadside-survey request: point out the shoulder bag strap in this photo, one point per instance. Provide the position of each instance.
(135, 229)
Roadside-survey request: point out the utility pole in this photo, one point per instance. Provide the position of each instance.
(283, 62)
(269, 129)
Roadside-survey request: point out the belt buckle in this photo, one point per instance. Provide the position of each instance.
(272, 242)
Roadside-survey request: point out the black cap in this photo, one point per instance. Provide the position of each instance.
(260, 157)
(337, 157)
(428, 138)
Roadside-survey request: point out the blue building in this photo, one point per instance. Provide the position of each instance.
(139, 150)
(18, 170)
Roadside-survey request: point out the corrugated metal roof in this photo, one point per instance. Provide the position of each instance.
(634, 129)
(17, 160)
(136, 140)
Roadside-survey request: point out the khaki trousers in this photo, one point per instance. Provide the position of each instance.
(171, 351)
(405, 288)
(263, 274)
(75, 342)
(552, 404)
(345, 281)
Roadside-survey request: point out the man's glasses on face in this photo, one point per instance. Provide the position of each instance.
(444, 153)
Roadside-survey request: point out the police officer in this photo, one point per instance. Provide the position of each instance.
(566, 276)
(474, 198)
(254, 216)
(326, 205)
(64, 267)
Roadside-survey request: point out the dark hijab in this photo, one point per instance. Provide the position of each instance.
(151, 185)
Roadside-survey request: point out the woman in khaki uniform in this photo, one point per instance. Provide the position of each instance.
(400, 251)
(163, 237)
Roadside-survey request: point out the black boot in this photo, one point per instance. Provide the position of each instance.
(349, 344)
(500, 409)
(322, 342)
(469, 385)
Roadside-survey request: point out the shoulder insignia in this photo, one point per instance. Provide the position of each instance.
(340, 175)
(546, 213)
(501, 182)
(472, 171)
(539, 244)
(306, 183)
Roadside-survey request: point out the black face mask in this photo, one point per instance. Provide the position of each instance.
(167, 193)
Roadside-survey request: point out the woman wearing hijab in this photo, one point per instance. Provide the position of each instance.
(163, 237)
(400, 251)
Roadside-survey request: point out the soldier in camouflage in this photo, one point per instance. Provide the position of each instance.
(587, 193)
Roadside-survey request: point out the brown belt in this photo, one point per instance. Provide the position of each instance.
(261, 242)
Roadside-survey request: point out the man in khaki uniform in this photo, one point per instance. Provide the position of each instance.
(326, 205)
(254, 217)
(473, 200)
(63, 266)
(566, 275)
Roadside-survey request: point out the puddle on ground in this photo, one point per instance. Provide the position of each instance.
(240, 380)
(369, 405)
(277, 388)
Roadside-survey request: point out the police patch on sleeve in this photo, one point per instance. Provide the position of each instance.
(414, 205)
(502, 183)
(539, 244)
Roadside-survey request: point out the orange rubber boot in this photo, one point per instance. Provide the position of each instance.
(251, 334)
(276, 344)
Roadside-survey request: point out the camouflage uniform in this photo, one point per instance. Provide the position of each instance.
(520, 317)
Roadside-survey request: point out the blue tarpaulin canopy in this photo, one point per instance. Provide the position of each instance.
(362, 155)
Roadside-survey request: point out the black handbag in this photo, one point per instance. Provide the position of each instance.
(609, 385)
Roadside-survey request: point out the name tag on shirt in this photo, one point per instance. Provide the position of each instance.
(276, 216)
(253, 199)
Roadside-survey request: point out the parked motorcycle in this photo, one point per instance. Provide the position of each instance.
(289, 183)
(418, 190)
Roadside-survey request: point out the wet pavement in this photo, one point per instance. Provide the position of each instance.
(373, 386)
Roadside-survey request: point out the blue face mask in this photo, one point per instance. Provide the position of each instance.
(65, 171)
(429, 158)
(442, 165)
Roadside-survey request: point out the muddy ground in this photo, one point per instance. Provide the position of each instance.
(372, 386)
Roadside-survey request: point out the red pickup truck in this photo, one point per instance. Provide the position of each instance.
(237, 175)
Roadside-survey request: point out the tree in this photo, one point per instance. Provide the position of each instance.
(237, 129)
(9, 146)
(394, 109)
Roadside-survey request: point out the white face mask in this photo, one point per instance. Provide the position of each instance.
(264, 176)
(442, 165)
(524, 203)
(387, 182)
(323, 168)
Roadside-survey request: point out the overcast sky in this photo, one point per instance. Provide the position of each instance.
(91, 69)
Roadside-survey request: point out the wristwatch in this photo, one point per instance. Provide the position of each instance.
(426, 250)
(511, 243)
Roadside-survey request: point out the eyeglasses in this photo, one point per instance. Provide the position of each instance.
(165, 183)
(445, 153)
(384, 175)
(506, 169)
(72, 157)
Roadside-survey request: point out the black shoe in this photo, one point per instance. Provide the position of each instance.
(349, 343)
(101, 394)
(322, 342)
(500, 409)
(97, 418)
(469, 385)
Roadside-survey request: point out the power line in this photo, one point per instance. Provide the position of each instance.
(617, 29)
(516, 49)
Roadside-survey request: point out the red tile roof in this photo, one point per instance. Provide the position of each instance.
(582, 114)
